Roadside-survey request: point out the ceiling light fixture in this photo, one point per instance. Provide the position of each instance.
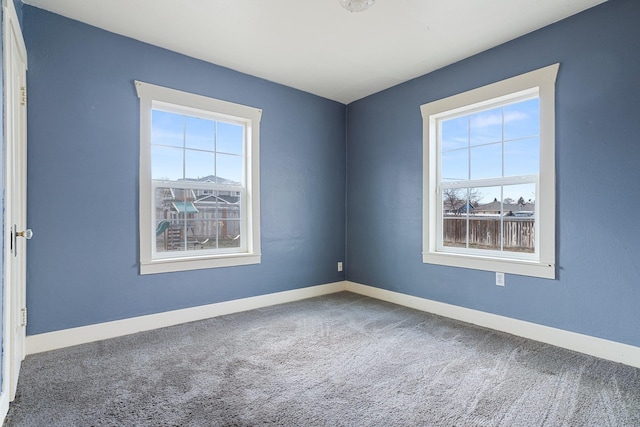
(357, 5)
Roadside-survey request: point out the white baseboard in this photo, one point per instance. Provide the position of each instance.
(4, 405)
(101, 331)
(598, 347)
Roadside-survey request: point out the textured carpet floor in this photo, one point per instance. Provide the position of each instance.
(337, 360)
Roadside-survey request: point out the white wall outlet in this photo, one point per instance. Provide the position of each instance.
(499, 279)
(340, 266)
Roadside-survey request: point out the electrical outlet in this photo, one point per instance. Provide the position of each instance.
(499, 279)
(340, 266)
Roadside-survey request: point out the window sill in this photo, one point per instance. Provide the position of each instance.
(169, 265)
(520, 267)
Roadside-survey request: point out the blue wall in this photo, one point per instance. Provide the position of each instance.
(83, 179)
(18, 5)
(598, 126)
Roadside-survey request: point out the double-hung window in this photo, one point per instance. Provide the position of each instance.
(199, 181)
(489, 177)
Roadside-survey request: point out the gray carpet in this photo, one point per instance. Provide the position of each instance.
(337, 360)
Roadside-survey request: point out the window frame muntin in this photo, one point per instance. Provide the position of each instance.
(197, 105)
(490, 182)
(541, 80)
(244, 227)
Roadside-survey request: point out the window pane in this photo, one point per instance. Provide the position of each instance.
(229, 169)
(171, 238)
(207, 204)
(454, 217)
(455, 165)
(166, 163)
(484, 221)
(198, 165)
(165, 198)
(486, 161)
(522, 157)
(196, 219)
(228, 210)
(486, 200)
(519, 219)
(455, 133)
(199, 133)
(204, 232)
(230, 138)
(520, 199)
(229, 234)
(522, 120)
(452, 200)
(454, 231)
(201, 235)
(486, 126)
(233, 211)
(169, 218)
(162, 211)
(167, 128)
(519, 234)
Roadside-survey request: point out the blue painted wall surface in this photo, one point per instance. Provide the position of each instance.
(18, 5)
(598, 110)
(83, 179)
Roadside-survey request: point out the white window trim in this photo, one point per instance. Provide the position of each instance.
(544, 80)
(250, 116)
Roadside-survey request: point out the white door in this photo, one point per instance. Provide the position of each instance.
(16, 233)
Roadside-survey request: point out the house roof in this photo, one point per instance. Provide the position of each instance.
(317, 46)
(496, 206)
(211, 178)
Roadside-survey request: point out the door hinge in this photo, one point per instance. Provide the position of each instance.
(24, 316)
(23, 95)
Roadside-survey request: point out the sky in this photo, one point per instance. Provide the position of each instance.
(493, 143)
(191, 147)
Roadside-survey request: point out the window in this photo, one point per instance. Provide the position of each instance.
(199, 181)
(489, 177)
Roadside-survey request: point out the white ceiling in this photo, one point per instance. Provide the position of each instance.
(316, 45)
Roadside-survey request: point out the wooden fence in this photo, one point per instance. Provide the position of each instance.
(213, 224)
(484, 233)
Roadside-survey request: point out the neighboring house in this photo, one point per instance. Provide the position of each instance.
(457, 210)
(209, 213)
(509, 209)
